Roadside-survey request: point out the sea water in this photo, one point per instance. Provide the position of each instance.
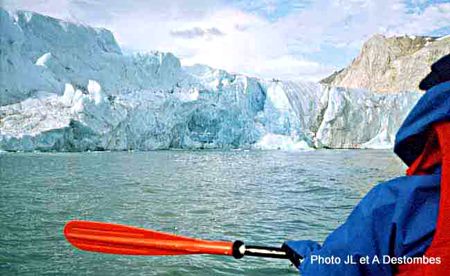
(260, 197)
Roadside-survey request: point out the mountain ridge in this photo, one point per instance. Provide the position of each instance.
(391, 64)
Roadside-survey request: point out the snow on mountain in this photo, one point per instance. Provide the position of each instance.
(68, 87)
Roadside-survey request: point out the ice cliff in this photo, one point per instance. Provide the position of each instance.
(68, 87)
(40, 53)
(392, 64)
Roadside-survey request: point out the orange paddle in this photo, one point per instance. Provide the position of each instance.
(121, 239)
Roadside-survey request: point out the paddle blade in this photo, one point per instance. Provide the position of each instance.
(121, 239)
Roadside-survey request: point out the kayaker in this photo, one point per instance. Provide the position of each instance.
(402, 226)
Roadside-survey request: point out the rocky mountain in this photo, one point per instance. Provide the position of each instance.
(69, 87)
(391, 64)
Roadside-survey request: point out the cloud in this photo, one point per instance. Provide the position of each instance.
(268, 38)
(197, 32)
(289, 67)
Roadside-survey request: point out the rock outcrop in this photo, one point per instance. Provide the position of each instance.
(391, 64)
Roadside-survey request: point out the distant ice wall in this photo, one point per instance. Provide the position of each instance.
(68, 87)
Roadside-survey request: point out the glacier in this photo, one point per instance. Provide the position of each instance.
(69, 87)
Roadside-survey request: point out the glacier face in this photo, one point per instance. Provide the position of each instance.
(68, 87)
(40, 53)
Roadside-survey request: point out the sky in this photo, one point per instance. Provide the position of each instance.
(300, 40)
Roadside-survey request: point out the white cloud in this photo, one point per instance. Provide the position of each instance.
(197, 32)
(307, 43)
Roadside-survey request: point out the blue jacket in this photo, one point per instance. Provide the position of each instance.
(396, 218)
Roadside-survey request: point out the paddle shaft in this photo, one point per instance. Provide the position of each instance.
(240, 250)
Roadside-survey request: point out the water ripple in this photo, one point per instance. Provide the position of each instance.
(261, 197)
